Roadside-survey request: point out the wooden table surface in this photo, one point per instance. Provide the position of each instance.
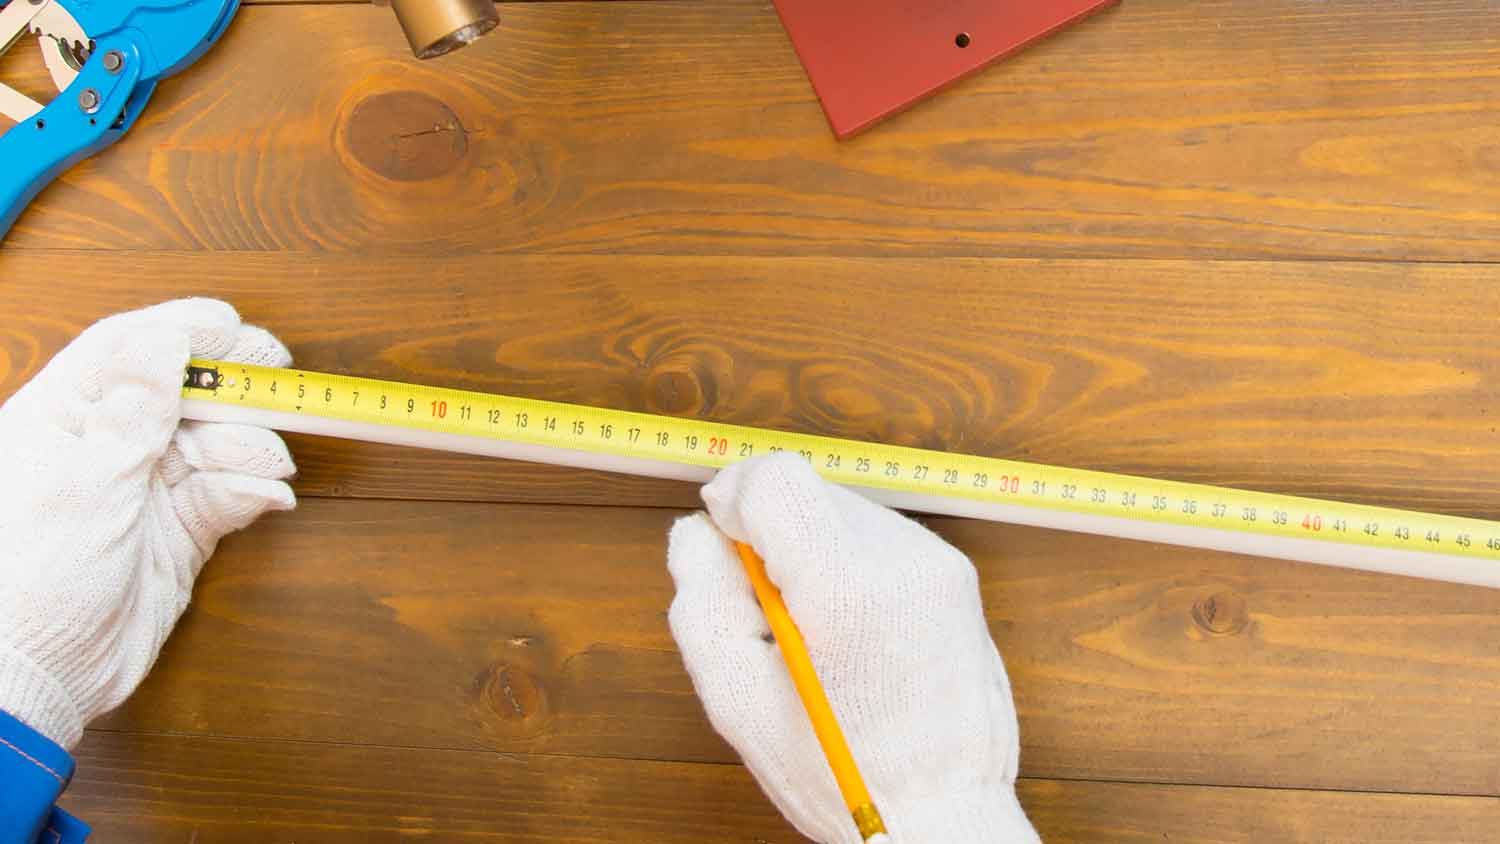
(1247, 242)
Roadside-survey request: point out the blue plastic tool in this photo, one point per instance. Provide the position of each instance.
(133, 45)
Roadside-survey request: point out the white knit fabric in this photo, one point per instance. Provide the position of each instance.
(110, 506)
(893, 621)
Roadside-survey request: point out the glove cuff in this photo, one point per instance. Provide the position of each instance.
(979, 817)
(36, 699)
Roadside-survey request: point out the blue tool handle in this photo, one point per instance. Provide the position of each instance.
(37, 151)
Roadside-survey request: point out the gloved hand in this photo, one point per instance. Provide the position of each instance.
(109, 505)
(893, 622)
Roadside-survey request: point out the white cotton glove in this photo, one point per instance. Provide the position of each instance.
(109, 505)
(893, 622)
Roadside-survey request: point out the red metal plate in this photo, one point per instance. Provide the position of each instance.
(868, 59)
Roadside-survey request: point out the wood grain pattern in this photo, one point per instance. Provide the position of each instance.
(529, 629)
(154, 789)
(1161, 129)
(1344, 380)
(638, 204)
(1119, 813)
(170, 788)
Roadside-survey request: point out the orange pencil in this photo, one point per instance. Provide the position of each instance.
(814, 699)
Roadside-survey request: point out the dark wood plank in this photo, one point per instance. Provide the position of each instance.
(155, 789)
(525, 628)
(1359, 381)
(1161, 129)
(1119, 813)
(170, 788)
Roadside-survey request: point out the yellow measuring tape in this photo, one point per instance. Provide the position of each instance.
(896, 468)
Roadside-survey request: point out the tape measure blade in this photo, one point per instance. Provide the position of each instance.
(1382, 560)
(1195, 515)
(210, 411)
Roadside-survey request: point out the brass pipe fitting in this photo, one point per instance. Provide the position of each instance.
(438, 27)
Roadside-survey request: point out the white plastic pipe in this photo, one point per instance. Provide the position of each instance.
(1422, 564)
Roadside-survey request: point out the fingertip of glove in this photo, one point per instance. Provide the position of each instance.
(257, 346)
(748, 480)
(282, 499)
(692, 539)
(687, 527)
(228, 447)
(202, 310)
(277, 463)
(210, 324)
(262, 495)
(212, 504)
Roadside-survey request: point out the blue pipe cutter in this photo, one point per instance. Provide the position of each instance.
(106, 57)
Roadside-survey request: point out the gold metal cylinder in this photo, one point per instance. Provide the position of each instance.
(436, 27)
(868, 821)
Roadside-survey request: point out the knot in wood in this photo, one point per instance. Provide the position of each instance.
(406, 136)
(1221, 614)
(675, 389)
(511, 693)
